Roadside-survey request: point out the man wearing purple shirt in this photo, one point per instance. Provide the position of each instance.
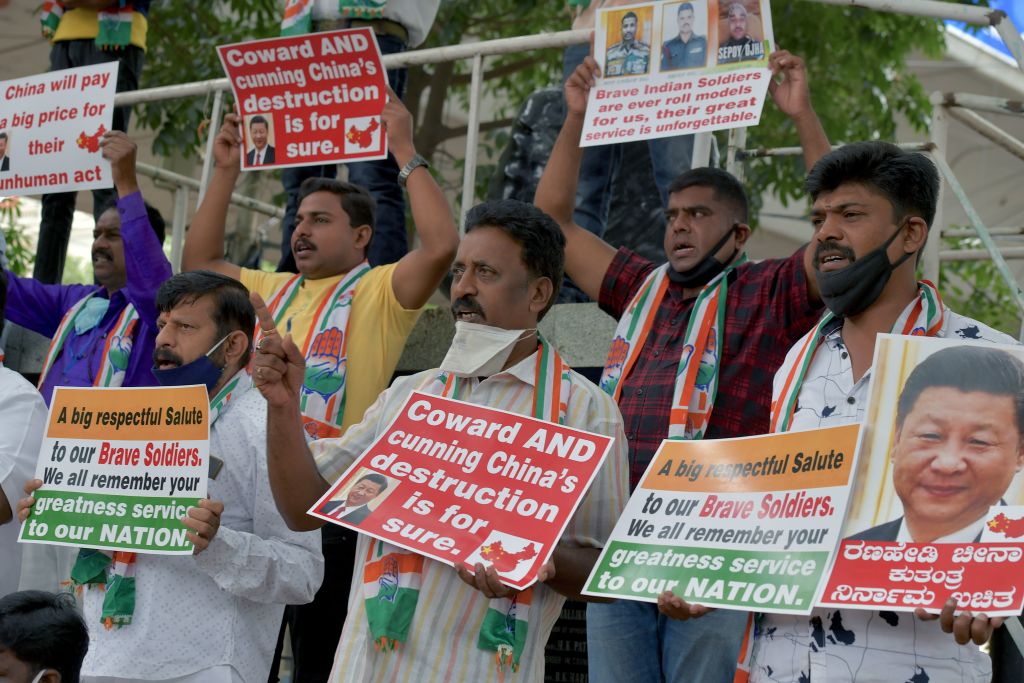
(103, 335)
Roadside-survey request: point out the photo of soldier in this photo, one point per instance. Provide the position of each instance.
(684, 35)
(629, 52)
(741, 32)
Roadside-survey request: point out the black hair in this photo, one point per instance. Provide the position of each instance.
(356, 200)
(908, 180)
(156, 220)
(3, 135)
(258, 119)
(629, 15)
(232, 309)
(3, 296)
(726, 187)
(45, 631)
(685, 5)
(542, 241)
(378, 479)
(966, 369)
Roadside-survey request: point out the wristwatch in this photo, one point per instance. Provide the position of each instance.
(413, 164)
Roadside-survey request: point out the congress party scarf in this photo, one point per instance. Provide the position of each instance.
(114, 570)
(326, 351)
(392, 575)
(298, 14)
(697, 375)
(924, 319)
(115, 23)
(116, 352)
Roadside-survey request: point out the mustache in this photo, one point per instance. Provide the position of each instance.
(303, 242)
(166, 355)
(833, 248)
(467, 304)
(105, 253)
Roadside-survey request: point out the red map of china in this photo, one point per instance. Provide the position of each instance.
(91, 142)
(505, 561)
(1007, 526)
(364, 137)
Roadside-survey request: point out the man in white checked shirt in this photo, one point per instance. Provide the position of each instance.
(505, 277)
(873, 207)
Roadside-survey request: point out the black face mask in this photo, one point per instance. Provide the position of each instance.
(709, 267)
(851, 290)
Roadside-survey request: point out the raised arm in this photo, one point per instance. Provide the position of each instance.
(420, 271)
(278, 371)
(587, 256)
(146, 266)
(204, 242)
(793, 98)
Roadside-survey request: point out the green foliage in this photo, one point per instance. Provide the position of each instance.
(19, 255)
(859, 83)
(182, 42)
(976, 289)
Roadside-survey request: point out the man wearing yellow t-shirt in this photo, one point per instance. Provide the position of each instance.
(352, 346)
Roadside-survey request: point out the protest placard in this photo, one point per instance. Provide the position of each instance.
(120, 468)
(934, 512)
(746, 523)
(675, 68)
(463, 484)
(50, 130)
(308, 99)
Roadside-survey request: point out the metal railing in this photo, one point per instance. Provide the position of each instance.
(960, 106)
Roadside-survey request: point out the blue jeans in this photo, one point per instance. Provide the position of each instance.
(631, 641)
(389, 242)
(600, 165)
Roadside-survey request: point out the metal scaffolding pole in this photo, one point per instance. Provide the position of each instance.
(178, 226)
(939, 138)
(995, 105)
(204, 179)
(997, 257)
(472, 138)
(988, 130)
(925, 8)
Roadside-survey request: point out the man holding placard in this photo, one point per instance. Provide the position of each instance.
(224, 603)
(102, 335)
(455, 625)
(697, 342)
(873, 209)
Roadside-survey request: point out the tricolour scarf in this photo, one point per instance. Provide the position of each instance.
(116, 352)
(115, 24)
(392, 575)
(114, 570)
(298, 14)
(326, 350)
(697, 375)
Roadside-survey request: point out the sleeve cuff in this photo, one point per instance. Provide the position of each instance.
(131, 207)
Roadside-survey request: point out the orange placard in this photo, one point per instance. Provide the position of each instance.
(145, 414)
(777, 462)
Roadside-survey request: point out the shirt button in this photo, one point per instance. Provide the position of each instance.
(851, 400)
(845, 355)
(673, 321)
(639, 392)
(656, 354)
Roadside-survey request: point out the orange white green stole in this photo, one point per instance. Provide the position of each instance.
(697, 374)
(925, 318)
(298, 14)
(392, 575)
(116, 351)
(114, 23)
(326, 351)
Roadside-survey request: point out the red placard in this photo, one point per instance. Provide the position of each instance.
(983, 577)
(462, 483)
(308, 99)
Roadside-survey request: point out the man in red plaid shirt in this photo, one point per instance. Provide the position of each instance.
(698, 343)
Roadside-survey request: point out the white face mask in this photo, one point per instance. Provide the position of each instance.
(480, 350)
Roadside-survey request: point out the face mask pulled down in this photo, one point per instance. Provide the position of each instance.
(200, 371)
(709, 267)
(853, 289)
(480, 350)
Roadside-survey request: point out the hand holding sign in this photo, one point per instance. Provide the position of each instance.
(26, 503)
(965, 627)
(203, 522)
(486, 580)
(227, 146)
(671, 605)
(398, 125)
(120, 151)
(791, 95)
(578, 85)
(278, 365)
